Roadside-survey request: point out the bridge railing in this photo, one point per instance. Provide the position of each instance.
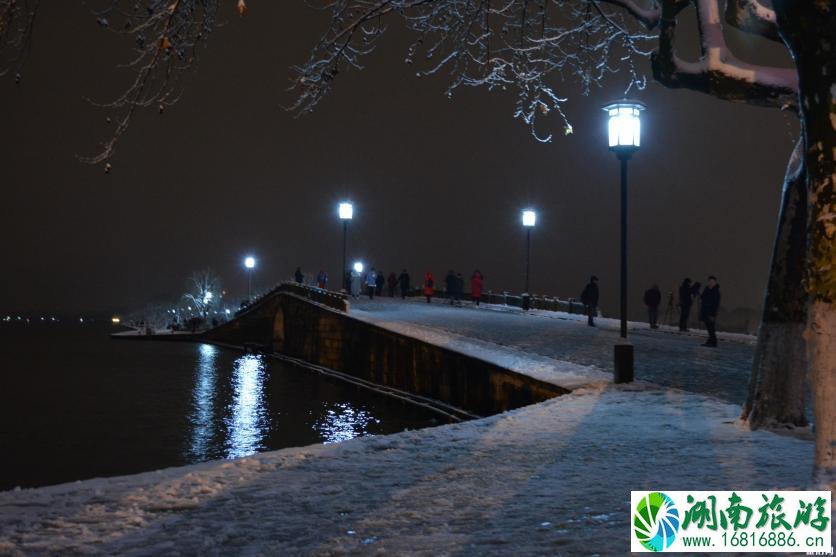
(335, 300)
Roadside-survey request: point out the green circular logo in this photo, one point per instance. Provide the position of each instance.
(656, 521)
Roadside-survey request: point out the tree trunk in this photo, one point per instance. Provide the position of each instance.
(809, 30)
(777, 384)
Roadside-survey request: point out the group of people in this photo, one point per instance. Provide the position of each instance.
(373, 283)
(689, 293)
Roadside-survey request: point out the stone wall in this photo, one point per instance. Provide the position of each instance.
(296, 326)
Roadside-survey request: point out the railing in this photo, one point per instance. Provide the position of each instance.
(335, 300)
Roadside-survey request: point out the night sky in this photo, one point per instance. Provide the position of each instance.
(437, 183)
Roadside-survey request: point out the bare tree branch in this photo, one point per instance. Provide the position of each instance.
(17, 25)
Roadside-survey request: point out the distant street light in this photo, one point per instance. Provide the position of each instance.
(358, 267)
(249, 264)
(529, 219)
(346, 212)
(624, 128)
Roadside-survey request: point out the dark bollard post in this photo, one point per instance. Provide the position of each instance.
(526, 302)
(623, 372)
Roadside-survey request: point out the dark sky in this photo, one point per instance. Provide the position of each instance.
(437, 183)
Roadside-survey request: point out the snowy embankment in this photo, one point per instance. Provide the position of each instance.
(549, 478)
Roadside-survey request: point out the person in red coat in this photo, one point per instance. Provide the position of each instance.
(477, 282)
(429, 286)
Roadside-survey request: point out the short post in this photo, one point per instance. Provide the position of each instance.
(623, 369)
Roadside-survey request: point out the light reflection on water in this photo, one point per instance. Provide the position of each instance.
(204, 399)
(342, 422)
(247, 422)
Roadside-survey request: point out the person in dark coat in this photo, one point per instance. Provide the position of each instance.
(685, 301)
(392, 283)
(709, 306)
(652, 299)
(403, 282)
(298, 275)
(589, 298)
(380, 283)
(477, 284)
(450, 286)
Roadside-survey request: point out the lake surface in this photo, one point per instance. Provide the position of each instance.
(75, 404)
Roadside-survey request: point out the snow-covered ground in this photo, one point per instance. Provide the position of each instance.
(552, 478)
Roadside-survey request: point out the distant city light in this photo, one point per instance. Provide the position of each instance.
(249, 262)
(207, 297)
(227, 311)
(529, 218)
(346, 210)
(358, 267)
(115, 320)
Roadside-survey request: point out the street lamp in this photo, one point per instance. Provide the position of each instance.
(624, 139)
(529, 219)
(249, 264)
(346, 212)
(358, 267)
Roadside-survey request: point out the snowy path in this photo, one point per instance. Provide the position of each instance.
(552, 478)
(663, 356)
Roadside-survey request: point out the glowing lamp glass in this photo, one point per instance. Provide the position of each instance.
(529, 218)
(249, 262)
(624, 125)
(358, 267)
(346, 211)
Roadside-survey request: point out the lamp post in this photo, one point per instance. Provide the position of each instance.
(529, 219)
(249, 264)
(346, 212)
(624, 140)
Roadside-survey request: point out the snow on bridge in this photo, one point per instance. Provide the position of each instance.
(562, 347)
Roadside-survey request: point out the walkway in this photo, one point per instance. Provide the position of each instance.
(664, 356)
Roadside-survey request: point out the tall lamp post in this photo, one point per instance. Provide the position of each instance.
(624, 140)
(529, 219)
(346, 212)
(249, 264)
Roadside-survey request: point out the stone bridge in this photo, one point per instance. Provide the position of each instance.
(314, 327)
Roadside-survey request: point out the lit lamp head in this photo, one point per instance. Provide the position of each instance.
(529, 218)
(624, 126)
(346, 210)
(358, 267)
(249, 262)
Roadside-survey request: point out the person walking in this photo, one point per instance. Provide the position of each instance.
(652, 299)
(300, 278)
(392, 282)
(380, 282)
(450, 286)
(354, 283)
(709, 306)
(477, 283)
(403, 281)
(459, 288)
(685, 301)
(589, 298)
(322, 279)
(429, 287)
(371, 283)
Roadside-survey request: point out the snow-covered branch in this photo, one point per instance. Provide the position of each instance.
(526, 46)
(752, 17)
(718, 72)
